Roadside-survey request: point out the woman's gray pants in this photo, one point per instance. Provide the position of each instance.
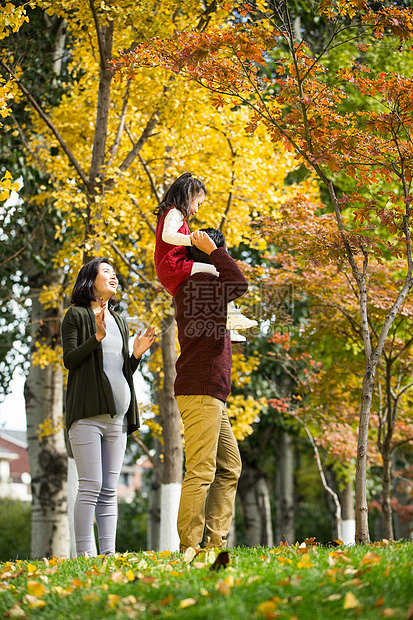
(98, 448)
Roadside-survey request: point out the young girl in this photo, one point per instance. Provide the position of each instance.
(172, 263)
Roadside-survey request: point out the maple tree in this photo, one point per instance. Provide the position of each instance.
(259, 63)
(332, 333)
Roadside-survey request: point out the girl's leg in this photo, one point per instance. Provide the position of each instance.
(113, 451)
(85, 440)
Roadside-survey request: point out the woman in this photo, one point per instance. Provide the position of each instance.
(101, 406)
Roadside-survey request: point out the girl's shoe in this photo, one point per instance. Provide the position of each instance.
(236, 337)
(236, 320)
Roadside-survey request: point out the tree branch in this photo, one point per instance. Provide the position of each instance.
(49, 123)
(131, 265)
(148, 454)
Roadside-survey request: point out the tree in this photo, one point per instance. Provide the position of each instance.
(260, 63)
(29, 227)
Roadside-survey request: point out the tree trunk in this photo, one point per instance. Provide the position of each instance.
(255, 499)
(362, 526)
(403, 527)
(387, 513)
(348, 523)
(43, 393)
(285, 490)
(172, 441)
(154, 517)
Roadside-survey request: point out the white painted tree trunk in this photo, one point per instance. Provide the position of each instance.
(43, 393)
(170, 496)
(172, 441)
(348, 523)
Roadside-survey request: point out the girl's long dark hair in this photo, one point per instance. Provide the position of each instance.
(83, 292)
(180, 194)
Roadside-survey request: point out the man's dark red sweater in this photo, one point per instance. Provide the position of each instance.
(204, 365)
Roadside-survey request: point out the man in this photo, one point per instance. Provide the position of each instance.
(202, 385)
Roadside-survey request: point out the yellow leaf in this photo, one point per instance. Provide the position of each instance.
(350, 601)
(113, 600)
(129, 575)
(267, 609)
(35, 588)
(305, 561)
(187, 602)
(31, 568)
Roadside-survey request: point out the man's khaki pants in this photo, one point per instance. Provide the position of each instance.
(212, 462)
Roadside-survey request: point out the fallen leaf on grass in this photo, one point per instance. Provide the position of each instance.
(350, 601)
(267, 609)
(370, 558)
(358, 583)
(33, 602)
(223, 588)
(294, 580)
(305, 561)
(284, 560)
(15, 612)
(113, 600)
(150, 579)
(187, 602)
(35, 588)
(91, 597)
(189, 554)
(388, 613)
(410, 613)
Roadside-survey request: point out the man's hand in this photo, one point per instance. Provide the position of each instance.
(203, 241)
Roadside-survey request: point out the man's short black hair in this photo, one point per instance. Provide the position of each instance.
(198, 255)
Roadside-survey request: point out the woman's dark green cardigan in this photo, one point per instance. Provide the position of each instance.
(88, 390)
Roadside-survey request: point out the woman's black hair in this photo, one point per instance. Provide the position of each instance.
(83, 291)
(180, 195)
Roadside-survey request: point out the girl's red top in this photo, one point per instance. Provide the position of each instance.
(172, 263)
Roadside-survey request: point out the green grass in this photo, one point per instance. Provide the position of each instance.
(369, 581)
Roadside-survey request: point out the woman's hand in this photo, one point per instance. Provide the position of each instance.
(100, 324)
(142, 343)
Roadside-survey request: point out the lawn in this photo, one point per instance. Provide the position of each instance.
(303, 582)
